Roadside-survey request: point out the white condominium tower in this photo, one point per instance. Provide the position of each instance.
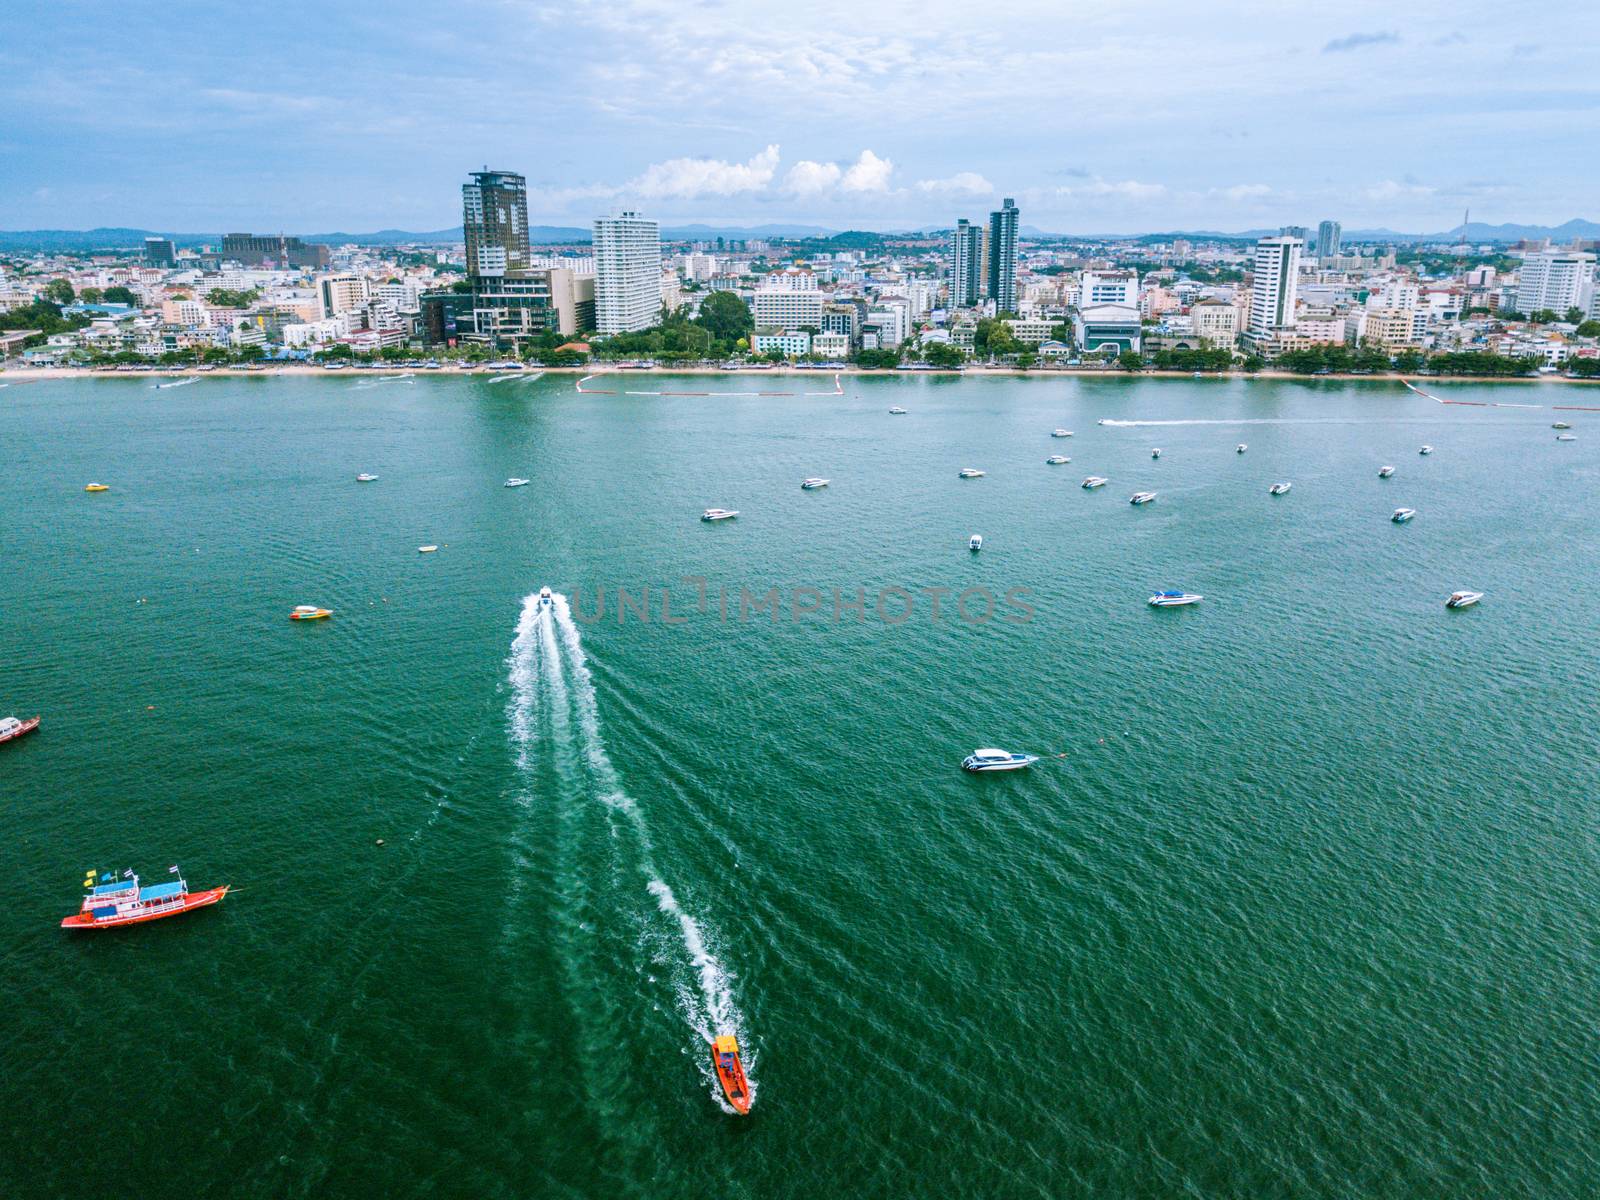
(1275, 282)
(627, 273)
(1555, 280)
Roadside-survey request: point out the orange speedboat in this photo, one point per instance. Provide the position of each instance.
(730, 1072)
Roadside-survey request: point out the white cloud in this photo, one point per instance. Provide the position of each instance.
(963, 183)
(1391, 190)
(686, 178)
(1240, 192)
(868, 173)
(807, 178)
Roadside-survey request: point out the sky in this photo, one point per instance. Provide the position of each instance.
(1106, 117)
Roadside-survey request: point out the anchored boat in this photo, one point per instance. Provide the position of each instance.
(14, 727)
(997, 760)
(730, 1072)
(124, 902)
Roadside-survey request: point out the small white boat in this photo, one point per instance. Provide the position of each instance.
(1566, 437)
(1402, 515)
(1055, 460)
(1463, 599)
(975, 542)
(897, 411)
(814, 483)
(719, 514)
(517, 481)
(1426, 450)
(1061, 433)
(1241, 447)
(997, 760)
(1171, 599)
(426, 549)
(1279, 489)
(365, 478)
(970, 473)
(1156, 453)
(1385, 471)
(1560, 425)
(546, 600)
(1095, 481)
(1141, 498)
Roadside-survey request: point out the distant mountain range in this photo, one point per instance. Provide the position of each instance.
(80, 240)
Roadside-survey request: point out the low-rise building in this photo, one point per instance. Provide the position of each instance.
(792, 343)
(1099, 327)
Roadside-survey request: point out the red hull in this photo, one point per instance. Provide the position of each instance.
(82, 920)
(27, 727)
(734, 1085)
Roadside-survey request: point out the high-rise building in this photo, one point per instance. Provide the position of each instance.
(1555, 280)
(1108, 287)
(966, 264)
(494, 220)
(342, 293)
(159, 252)
(1274, 285)
(1003, 256)
(1328, 239)
(252, 250)
(1295, 231)
(627, 273)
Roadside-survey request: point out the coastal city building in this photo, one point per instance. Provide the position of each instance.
(1328, 240)
(1274, 283)
(159, 252)
(249, 249)
(627, 258)
(1001, 252)
(965, 270)
(1555, 280)
(494, 223)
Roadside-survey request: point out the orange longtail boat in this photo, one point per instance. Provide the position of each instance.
(124, 902)
(730, 1072)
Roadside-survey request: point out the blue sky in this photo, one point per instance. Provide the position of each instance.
(1098, 117)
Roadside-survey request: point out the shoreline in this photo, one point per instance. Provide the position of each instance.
(299, 370)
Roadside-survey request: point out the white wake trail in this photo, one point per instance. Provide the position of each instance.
(1112, 423)
(708, 1006)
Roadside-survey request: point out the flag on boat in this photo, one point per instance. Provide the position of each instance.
(106, 878)
(128, 874)
(172, 870)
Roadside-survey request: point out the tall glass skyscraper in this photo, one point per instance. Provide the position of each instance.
(966, 264)
(494, 218)
(1003, 256)
(1328, 239)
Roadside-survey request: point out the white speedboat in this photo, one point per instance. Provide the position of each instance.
(1156, 453)
(1055, 460)
(546, 600)
(1279, 489)
(426, 549)
(1566, 437)
(1095, 481)
(997, 760)
(365, 478)
(1385, 471)
(975, 542)
(1402, 515)
(1241, 447)
(1061, 433)
(970, 473)
(719, 514)
(1560, 425)
(1141, 498)
(897, 411)
(1426, 450)
(1463, 599)
(517, 481)
(814, 483)
(1171, 599)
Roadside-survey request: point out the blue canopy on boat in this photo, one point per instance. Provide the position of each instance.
(105, 889)
(103, 912)
(161, 891)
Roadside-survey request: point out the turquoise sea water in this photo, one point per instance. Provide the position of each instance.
(1308, 909)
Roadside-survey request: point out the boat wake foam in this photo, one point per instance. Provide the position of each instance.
(546, 656)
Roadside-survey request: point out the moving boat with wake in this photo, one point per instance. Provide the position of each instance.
(546, 600)
(997, 760)
(124, 902)
(730, 1072)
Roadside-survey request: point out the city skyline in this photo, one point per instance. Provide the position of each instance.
(160, 116)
